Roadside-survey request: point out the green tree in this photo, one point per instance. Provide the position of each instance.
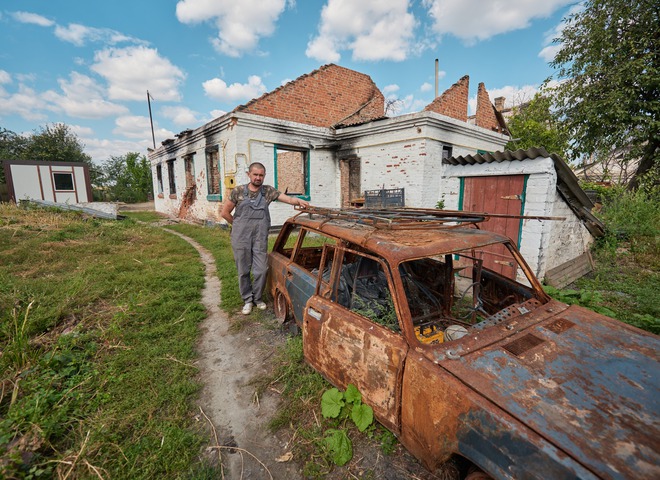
(609, 80)
(535, 124)
(12, 146)
(128, 177)
(56, 143)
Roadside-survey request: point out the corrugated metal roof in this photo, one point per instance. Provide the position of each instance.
(567, 183)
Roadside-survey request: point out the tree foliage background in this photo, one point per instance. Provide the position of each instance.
(124, 178)
(608, 68)
(127, 178)
(536, 124)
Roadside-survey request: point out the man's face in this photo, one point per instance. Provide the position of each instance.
(257, 176)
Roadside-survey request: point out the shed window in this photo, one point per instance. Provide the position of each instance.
(292, 171)
(63, 182)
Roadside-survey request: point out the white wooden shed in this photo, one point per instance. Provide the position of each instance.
(59, 182)
(528, 183)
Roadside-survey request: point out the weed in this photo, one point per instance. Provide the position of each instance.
(388, 441)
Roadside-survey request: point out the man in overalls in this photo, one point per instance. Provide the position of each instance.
(249, 233)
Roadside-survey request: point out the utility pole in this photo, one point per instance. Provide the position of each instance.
(151, 120)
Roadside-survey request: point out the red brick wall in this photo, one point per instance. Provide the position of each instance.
(454, 101)
(291, 172)
(325, 97)
(485, 116)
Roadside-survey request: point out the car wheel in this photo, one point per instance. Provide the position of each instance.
(281, 306)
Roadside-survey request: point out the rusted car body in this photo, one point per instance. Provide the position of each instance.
(453, 343)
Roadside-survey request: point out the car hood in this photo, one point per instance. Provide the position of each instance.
(586, 383)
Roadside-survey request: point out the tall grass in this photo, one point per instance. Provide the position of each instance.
(626, 281)
(99, 327)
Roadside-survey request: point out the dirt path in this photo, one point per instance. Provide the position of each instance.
(228, 364)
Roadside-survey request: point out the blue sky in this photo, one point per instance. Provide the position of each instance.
(90, 64)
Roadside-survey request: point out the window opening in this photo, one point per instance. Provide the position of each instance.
(189, 165)
(447, 151)
(292, 171)
(361, 286)
(159, 178)
(457, 292)
(213, 171)
(63, 182)
(170, 176)
(308, 254)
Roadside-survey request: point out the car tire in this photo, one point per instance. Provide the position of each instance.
(281, 307)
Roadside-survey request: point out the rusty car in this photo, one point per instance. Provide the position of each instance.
(452, 341)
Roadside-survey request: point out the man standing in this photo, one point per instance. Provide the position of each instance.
(249, 234)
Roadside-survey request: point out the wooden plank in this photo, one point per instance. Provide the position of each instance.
(568, 272)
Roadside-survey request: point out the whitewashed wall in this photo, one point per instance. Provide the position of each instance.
(569, 238)
(248, 139)
(544, 243)
(406, 152)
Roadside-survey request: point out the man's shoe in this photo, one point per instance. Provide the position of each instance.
(247, 309)
(261, 305)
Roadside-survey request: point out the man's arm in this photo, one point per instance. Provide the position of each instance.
(283, 197)
(227, 208)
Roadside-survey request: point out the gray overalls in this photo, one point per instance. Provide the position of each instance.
(249, 240)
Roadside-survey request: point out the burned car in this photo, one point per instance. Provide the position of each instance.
(452, 341)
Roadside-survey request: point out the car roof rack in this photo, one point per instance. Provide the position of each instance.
(409, 218)
(393, 218)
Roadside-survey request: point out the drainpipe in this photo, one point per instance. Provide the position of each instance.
(436, 78)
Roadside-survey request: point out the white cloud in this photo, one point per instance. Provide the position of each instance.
(217, 113)
(81, 34)
(240, 24)
(82, 98)
(548, 53)
(133, 126)
(101, 149)
(459, 17)
(371, 29)
(217, 89)
(81, 131)
(25, 103)
(426, 87)
(551, 49)
(514, 95)
(131, 71)
(32, 18)
(181, 116)
(4, 77)
(388, 89)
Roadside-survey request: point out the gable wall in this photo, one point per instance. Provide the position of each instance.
(322, 98)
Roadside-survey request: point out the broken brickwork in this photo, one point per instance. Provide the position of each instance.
(329, 96)
(454, 101)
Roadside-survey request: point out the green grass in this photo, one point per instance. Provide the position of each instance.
(626, 280)
(217, 241)
(101, 317)
(146, 216)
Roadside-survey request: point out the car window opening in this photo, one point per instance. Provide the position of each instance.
(451, 295)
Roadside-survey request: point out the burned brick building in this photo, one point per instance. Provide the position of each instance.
(325, 137)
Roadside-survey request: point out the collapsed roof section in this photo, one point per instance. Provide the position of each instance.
(327, 97)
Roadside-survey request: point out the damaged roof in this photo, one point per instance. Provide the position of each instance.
(567, 183)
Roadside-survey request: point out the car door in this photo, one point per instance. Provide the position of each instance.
(301, 272)
(351, 333)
